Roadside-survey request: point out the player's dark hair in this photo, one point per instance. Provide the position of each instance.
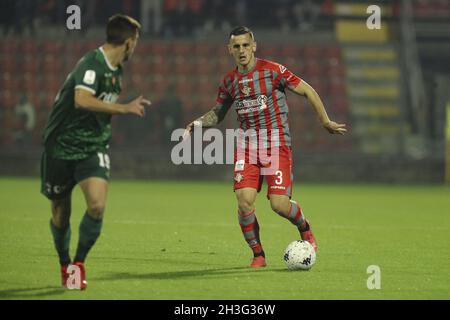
(241, 30)
(121, 27)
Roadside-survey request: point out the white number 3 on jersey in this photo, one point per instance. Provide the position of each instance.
(279, 174)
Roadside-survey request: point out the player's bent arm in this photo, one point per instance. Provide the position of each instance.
(86, 100)
(211, 118)
(304, 89)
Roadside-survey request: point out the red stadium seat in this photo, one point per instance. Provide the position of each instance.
(30, 64)
(312, 52)
(337, 89)
(159, 68)
(52, 47)
(184, 89)
(9, 48)
(52, 64)
(158, 48)
(8, 64)
(29, 47)
(75, 48)
(291, 51)
(332, 52)
(269, 52)
(181, 49)
(313, 69)
(202, 50)
(182, 66)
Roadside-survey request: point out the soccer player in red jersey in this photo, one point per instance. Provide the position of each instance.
(256, 90)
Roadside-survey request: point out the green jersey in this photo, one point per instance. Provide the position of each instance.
(74, 133)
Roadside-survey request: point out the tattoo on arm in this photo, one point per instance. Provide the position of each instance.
(211, 118)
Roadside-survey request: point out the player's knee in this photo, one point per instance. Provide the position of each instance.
(96, 209)
(61, 213)
(245, 206)
(280, 208)
(61, 221)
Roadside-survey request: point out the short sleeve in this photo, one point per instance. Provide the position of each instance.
(288, 79)
(86, 78)
(223, 100)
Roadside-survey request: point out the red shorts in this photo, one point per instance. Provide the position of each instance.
(277, 168)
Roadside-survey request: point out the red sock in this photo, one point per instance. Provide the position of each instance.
(296, 216)
(250, 230)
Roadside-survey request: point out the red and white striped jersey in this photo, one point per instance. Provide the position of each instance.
(259, 99)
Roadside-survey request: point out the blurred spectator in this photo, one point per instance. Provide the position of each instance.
(151, 19)
(181, 17)
(25, 114)
(283, 15)
(216, 15)
(170, 115)
(306, 13)
(22, 14)
(7, 14)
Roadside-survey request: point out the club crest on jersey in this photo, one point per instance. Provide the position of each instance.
(238, 177)
(246, 90)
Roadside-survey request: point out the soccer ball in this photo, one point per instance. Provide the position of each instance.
(299, 254)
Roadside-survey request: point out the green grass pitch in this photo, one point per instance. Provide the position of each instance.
(170, 240)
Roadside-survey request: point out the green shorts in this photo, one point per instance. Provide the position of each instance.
(59, 177)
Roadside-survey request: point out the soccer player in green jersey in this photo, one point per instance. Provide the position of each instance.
(76, 140)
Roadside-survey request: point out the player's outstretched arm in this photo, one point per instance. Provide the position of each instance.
(208, 120)
(304, 89)
(86, 100)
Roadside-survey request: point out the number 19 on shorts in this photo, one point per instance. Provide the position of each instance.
(104, 160)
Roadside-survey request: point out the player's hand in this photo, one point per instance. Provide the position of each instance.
(335, 128)
(137, 106)
(190, 128)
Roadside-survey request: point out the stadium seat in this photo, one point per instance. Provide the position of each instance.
(182, 66)
(269, 52)
(29, 47)
(202, 50)
(312, 52)
(8, 64)
(203, 66)
(52, 47)
(9, 48)
(52, 64)
(332, 52)
(181, 49)
(313, 69)
(290, 51)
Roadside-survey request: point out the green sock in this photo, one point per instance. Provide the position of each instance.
(61, 238)
(89, 232)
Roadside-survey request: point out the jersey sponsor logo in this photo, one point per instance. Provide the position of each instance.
(245, 81)
(252, 105)
(238, 177)
(239, 165)
(89, 77)
(246, 90)
(282, 68)
(108, 97)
